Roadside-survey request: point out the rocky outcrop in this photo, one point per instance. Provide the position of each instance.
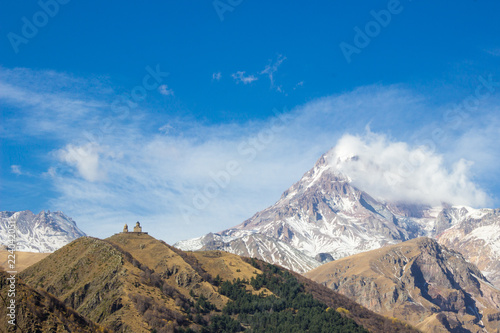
(324, 257)
(39, 311)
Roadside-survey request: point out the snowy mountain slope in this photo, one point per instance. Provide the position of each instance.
(323, 216)
(476, 234)
(44, 232)
(257, 245)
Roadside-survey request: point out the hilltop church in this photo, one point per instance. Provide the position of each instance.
(137, 229)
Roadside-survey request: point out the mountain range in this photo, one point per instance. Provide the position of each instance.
(44, 232)
(434, 267)
(419, 281)
(132, 282)
(324, 217)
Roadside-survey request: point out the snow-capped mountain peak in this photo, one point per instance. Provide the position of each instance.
(324, 216)
(44, 232)
(320, 214)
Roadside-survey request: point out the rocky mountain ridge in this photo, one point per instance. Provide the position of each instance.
(418, 281)
(477, 237)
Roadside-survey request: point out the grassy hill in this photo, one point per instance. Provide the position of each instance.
(134, 283)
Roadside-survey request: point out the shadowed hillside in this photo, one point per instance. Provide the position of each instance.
(38, 311)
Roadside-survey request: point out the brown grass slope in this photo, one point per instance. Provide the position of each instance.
(38, 311)
(112, 281)
(420, 282)
(128, 282)
(23, 259)
(85, 275)
(134, 283)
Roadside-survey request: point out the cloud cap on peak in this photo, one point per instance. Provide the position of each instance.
(396, 172)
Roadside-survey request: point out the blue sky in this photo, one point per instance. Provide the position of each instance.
(122, 111)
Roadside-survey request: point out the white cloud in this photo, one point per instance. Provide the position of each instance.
(164, 90)
(86, 160)
(216, 76)
(494, 52)
(240, 77)
(299, 84)
(166, 128)
(269, 71)
(51, 172)
(396, 171)
(272, 68)
(16, 169)
(44, 103)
